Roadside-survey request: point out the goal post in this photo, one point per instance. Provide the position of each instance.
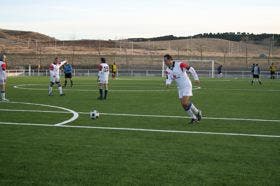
(199, 65)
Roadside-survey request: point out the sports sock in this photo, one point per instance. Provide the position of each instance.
(60, 90)
(3, 95)
(50, 90)
(194, 109)
(71, 83)
(106, 92)
(101, 93)
(65, 83)
(190, 112)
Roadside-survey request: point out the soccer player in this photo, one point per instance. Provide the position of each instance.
(114, 70)
(103, 76)
(178, 70)
(3, 77)
(219, 69)
(55, 77)
(256, 74)
(272, 69)
(67, 68)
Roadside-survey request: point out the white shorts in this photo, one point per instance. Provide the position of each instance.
(55, 79)
(187, 91)
(168, 81)
(2, 81)
(103, 80)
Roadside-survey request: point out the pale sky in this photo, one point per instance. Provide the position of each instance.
(119, 19)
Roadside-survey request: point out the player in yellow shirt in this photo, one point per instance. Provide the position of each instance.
(114, 70)
(272, 70)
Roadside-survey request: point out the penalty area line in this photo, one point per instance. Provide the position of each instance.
(144, 130)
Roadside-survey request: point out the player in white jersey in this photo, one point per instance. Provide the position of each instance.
(178, 71)
(3, 77)
(169, 78)
(55, 76)
(103, 77)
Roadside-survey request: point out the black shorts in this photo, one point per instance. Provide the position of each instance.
(68, 75)
(256, 76)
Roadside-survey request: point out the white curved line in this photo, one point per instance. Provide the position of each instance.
(73, 118)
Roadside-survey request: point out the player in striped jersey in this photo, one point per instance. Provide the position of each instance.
(178, 71)
(55, 76)
(3, 77)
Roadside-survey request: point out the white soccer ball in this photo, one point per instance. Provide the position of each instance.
(94, 114)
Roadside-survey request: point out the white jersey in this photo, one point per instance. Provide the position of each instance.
(55, 72)
(3, 76)
(178, 72)
(103, 73)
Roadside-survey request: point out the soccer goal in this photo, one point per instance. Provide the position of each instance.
(204, 67)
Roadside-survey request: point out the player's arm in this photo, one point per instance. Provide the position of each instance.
(62, 63)
(4, 66)
(194, 75)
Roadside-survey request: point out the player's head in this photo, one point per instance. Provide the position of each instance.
(3, 57)
(167, 59)
(103, 60)
(55, 60)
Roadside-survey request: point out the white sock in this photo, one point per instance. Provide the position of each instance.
(194, 109)
(60, 90)
(3, 95)
(191, 114)
(50, 90)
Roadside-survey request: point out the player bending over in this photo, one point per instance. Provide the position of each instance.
(178, 72)
(54, 76)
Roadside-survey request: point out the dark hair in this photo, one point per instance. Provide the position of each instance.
(103, 60)
(2, 56)
(167, 57)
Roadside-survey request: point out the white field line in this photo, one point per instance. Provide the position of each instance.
(73, 118)
(25, 87)
(145, 130)
(145, 115)
(94, 90)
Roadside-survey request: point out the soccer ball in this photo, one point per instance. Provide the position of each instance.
(94, 114)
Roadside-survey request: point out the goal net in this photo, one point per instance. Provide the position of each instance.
(205, 68)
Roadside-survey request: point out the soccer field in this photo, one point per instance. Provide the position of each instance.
(142, 136)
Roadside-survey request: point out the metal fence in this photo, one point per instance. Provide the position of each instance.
(138, 72)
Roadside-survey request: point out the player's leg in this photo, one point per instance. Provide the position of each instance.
(50, 88)
(70, 77)
(65, 80)
(3, 90)
(186, 104)
(106, 90)
(59, 87)
(100, 90)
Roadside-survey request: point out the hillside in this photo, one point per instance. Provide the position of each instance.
(203, 45)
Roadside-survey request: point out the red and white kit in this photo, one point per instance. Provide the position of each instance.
(3, 76)
(54, 71)
(178, 72)
(103, 73)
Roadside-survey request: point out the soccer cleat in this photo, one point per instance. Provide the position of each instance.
(193, 121)
(199, 115)
(62, 94)
(51, 94)
(100, 98)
